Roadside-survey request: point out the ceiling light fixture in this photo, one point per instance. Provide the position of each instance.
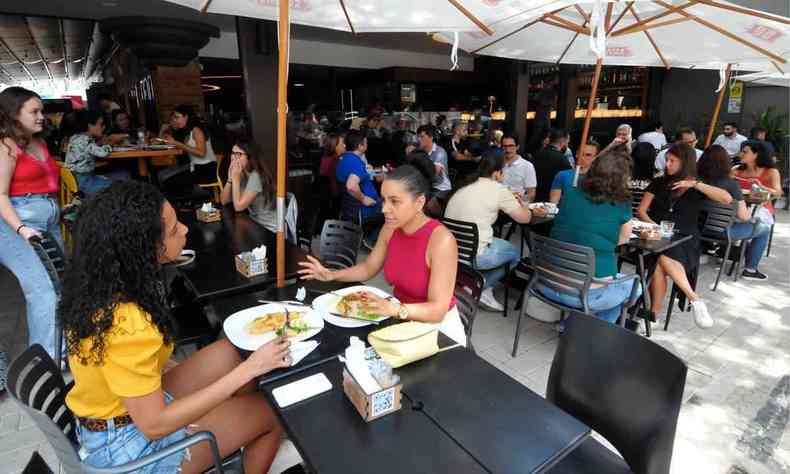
(299, 84)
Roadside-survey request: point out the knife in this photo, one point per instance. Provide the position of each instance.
(372, 321)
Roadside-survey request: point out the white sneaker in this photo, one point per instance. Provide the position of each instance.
(701, 315)
(488, 300)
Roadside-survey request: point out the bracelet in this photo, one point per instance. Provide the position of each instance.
(20, 227)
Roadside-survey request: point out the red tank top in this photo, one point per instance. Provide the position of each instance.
(34, 176)
(763, 179)
(404, 266)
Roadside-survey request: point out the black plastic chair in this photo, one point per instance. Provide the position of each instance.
(37, 385)
(468, 287)
(566, 268)
(467, 239)
(306, 225)
(625, 387)
(54, 261)
(716, 228)
(340, 241)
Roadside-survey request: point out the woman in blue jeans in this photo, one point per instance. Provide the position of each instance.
(28, 185)
(480, 202)
(713, 167)
(597, 214)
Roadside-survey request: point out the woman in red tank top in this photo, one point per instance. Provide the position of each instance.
(419, 257)
(757, 166)
(28, 183)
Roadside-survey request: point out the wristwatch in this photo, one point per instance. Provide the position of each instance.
(403, 312)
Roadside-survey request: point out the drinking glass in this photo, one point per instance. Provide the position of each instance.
(667, 227)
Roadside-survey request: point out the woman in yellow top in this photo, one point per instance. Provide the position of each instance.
(129, 399)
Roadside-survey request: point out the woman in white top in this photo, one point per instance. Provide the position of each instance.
(188, 135)
(480, 202)
(250, 185)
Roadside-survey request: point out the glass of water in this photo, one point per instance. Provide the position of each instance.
(667, 228)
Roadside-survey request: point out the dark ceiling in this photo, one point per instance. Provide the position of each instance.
(41, 48)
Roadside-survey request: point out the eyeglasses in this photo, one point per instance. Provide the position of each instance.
(237, 154)
(509, 146)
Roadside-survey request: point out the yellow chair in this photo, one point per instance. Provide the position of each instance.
(217, 186)
(68, 188)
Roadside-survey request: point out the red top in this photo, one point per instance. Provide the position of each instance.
(746, 184)
(327, 169)
(404, 266)
(32, 175)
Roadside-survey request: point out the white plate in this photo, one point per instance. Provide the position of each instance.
(234, 325)
(327, 303)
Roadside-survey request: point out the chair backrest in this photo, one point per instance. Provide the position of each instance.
(567, 268)
(467, 238)
(306, 225)
(624, 386)
(68, 186)
(35, 383)
(51, 255)
(340, 241)
(468, 287)
(718, 218)
(54, 261)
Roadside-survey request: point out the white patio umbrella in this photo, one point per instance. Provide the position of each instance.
(705, 34)
(360, 16)
(766, 78)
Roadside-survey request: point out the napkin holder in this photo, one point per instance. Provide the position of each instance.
(211, 216)
(375, 405)
(251, 267)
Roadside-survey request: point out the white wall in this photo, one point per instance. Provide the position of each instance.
(325, 53)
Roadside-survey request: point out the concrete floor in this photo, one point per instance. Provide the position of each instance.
(734, 419)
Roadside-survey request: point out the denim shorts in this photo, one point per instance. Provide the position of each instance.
(118, 446)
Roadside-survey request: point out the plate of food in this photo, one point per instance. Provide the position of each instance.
(347, 307)
(253, 327)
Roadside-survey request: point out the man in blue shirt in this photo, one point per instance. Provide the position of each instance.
(564, 179)
(352, 174)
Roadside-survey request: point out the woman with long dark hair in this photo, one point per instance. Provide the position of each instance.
(597, 214)
(29, 182)
(418, 255)
(250, 184)
(480, 202)
(643, 159)
(713, 167)
(757, 167)
(189, 135)
(678, 196)
(128, 398)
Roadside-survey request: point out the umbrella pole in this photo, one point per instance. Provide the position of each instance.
(282, 113)
(588, 115)
(717, 109)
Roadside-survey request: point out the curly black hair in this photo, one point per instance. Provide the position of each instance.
(607, 179)
(117, 241)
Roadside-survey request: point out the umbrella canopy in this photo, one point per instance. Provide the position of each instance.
(368, 16)
(705, 34)
(766, 78)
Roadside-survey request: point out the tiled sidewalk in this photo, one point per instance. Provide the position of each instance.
(737, 402)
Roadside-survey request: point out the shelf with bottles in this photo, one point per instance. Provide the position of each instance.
(542, 76)
(614, 78)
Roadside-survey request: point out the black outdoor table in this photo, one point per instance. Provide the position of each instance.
(643, 248)
(332, 340)
(216, 244)
(333, 438)
(501, 423)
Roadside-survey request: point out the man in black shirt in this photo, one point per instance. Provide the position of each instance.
(550, 161)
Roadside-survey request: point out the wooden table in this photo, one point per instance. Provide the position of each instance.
(143, 155)
(216, 244)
